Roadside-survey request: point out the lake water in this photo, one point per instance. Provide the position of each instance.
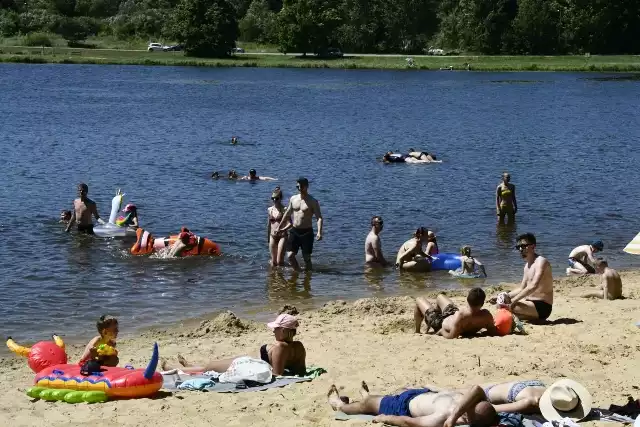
(569, 141)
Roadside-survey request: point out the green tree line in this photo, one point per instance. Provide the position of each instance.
(211, 27)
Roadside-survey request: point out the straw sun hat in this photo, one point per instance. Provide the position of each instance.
(565, 399)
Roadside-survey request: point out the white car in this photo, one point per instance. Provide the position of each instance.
(154, 47)
(435, 51)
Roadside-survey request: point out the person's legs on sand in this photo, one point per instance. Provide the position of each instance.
(369, 406)
(422, 305)
(443, 301)
(525, 310)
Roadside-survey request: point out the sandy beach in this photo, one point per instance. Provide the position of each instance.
(592, 341)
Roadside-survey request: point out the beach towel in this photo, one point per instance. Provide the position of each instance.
(174, 379)
(507, 420)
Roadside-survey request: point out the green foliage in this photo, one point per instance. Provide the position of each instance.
(75, 30)
(259, 24)
(207, 28)
(308, 26)
(37, 39)
(9, 23)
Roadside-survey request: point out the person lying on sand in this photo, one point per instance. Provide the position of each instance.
(285, 353)
(533, 299)
(581, 259)
(411, 256)
(611, 282)
(515, 397)
(451, 322)
(418, 407)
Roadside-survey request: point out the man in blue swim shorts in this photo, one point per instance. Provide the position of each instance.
(424, 407)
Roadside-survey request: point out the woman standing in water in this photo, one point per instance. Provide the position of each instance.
(506, 204)
(277, 239)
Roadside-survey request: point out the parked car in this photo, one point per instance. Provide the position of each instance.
(237, 50)
(332, 52)
(435, 51)
(155, 47)
(173, 48)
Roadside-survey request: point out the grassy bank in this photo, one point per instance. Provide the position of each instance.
(477, 63)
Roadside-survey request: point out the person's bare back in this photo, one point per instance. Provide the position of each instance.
(610, 284)
(371, 247)
(466, 322)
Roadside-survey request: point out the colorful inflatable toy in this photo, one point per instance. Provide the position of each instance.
(146, 244)
(112, 228)
(57, 380)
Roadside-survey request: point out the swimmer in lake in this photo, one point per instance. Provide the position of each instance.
(185, 242)
(411, 256)
(83, 209)
(421, 155)
(470, 265)
(254, 177)
(65, 217)
(131, 217)
(391, 157)
(506, 204)
(372, 246)
(215, 175)
(234, 140)
(232, 174)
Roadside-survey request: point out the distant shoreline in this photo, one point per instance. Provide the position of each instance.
(58, 55)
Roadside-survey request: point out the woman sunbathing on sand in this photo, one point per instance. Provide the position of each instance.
(514, 396)
(283, 354)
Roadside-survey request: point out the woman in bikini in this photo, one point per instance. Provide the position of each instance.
(283, 354)
(506, 205)
(513, 397)
(432, 244)
(276, 239)
(421, 155)
(411, 256)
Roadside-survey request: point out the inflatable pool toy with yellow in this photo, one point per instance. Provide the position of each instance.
(146, 244)
(58, 380)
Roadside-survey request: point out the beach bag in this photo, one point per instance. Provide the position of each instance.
(247, 369)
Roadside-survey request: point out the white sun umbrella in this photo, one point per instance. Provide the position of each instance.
(634, 246)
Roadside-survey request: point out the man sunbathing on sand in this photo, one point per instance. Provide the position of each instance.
(451, 322)
(533, 299)
(415, 408)
(611, 282)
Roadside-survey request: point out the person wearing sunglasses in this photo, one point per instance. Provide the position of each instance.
(506, 205)
(302, 207)
(582, 259)
(372, 246)
(533, 299)
(276, 237)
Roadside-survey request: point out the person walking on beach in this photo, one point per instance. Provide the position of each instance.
(582, 259)
(372, 246)
(611, 284)
(83, 209)
(425, 407)
(506, 204)
(449, 321)
(533, 299)
(303, 207)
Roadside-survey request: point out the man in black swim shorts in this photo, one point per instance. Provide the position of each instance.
(303, 207)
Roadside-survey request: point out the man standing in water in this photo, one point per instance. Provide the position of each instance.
(83, 209)
(533, 299)
(304, 207)
(373, 247)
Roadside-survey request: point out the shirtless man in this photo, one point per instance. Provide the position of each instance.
(372, 246)
(451, 322)
(415, 408)
(83, 209)
(254, 177)
(611, 282)
(303, 207)
(581, 259)
(533, 299)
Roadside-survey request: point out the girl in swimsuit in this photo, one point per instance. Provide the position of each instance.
(506, 204)
(283, 354)
(469, 263)
(432, 246)
(276, 239)
(411, 256)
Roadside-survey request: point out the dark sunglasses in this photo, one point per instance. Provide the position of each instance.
(276, 198)
(523, 246)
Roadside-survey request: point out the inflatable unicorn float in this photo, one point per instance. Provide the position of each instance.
(58, 380)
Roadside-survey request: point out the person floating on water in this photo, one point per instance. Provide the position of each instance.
(391, 157)
(65, 217)
(611, 284)
(232, 174)
(303, 206)
(185, 242)
(581, 259)
(373, 247)
(449, 321)
(102, 347)
(421, 155)
(215, 175)
(131, 217)
(254, 177)
(470, 265)
(426, 407)
(83, 209)
(234, 140)
(411, 256)
(533, 299)
(506, 204)
(276, 236)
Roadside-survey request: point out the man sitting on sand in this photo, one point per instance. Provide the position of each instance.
(581, 259)
(611, 282)
(533, 299)
(451, 322)
(419, 407)
(372, 246)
